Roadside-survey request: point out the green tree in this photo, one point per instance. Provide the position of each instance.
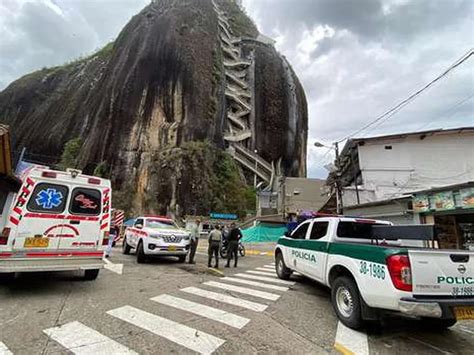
(69, 158)
(101, 170)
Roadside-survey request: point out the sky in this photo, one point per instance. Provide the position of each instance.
(355, 58)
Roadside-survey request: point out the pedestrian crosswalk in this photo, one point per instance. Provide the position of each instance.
(250, 291)
(80, 339)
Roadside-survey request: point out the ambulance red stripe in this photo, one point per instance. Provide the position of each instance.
(14, 220)
(17, 210)
(63, 254)
(60, 216)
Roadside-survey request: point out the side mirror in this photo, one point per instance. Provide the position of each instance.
(287, 234)
(139, 226)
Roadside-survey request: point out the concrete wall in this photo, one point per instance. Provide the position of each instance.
(414, 164)
(303, 194)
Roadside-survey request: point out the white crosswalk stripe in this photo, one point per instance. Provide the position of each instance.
(4, 350)
(267, 274)
(79, 339)
(255, 283)
(235, 301)
(183, 335)
(244, 290)
(215, 314)
(263, 278)
(271, 266)
(263, 269)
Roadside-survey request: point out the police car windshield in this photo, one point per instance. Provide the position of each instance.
(160, 224)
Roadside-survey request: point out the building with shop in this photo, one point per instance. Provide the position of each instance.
(390, 177)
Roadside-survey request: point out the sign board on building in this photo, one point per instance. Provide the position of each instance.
(223, 215)
(441, 201)
(421, 203)
(467, 197)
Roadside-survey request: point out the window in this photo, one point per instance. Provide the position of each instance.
(355, 230)
(300, 232)
(160, 224)
(85, 202)
(48, 198)
(319, 230)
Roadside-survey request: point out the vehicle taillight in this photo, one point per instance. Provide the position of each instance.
(400, 271)
(4, 236)
(105, 241)
(93, 181)
(49, 174)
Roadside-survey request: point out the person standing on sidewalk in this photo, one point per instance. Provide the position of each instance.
(194, 241)
(215, 240)
(233, 244)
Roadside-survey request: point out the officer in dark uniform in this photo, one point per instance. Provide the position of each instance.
(233, 244)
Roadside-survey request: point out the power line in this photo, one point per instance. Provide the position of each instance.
(406, 101)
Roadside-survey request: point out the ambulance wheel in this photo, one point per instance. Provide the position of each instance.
(345, 300)
(282, 271)
(90, 275)
(7, 277)
(141, 257)
(125, 247)
(182, 258)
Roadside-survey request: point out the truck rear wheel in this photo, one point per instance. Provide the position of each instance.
(90, 275)
(125, 247)
(141, 257)
(345, 300)
(283, 272)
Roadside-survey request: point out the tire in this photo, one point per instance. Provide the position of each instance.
(7, 277)
(282, 271)
(182, 258)
(242, 250)
(345, 299)
(125, 247)
(141, 257)
(438, 325)
(90, 275)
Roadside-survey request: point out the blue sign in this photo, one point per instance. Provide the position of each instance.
(49, 199)
(223, 215)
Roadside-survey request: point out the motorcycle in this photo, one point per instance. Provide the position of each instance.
(223, 251)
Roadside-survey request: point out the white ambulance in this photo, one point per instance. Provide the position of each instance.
(57, 221)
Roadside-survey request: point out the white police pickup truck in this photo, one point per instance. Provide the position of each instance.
(156, 236)
(373, 267)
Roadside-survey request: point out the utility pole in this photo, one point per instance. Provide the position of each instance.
(339, 204)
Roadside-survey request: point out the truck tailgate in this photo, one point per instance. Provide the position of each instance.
(442, 272)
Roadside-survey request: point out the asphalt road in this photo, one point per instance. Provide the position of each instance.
(166, 307)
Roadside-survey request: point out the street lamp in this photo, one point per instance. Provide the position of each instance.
(335, 147)
(256, 167)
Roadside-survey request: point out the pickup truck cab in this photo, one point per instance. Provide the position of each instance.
(156, 236)
(56, 221)
(368, 275)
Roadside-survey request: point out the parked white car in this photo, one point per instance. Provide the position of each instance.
(156, 236)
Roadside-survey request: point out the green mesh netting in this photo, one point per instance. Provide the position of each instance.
(263, 233)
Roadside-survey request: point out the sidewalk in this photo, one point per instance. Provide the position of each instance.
(250, 248)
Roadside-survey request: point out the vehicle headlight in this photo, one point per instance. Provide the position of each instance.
(155, 236)
(187, 237)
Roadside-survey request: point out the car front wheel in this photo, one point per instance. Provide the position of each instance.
(283, 272)
(125, 247)
(141, 257)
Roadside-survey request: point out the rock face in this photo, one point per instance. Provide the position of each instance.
(142, 105)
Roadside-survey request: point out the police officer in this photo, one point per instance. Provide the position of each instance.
(194, 241)
(233, 244)
(215, 240)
